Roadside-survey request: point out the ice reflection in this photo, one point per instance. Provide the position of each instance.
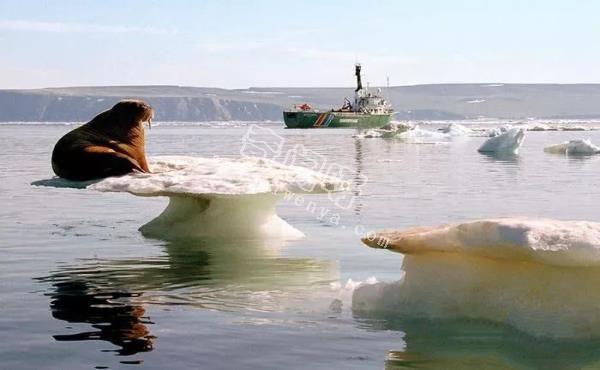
(477, 344)
(225, 275)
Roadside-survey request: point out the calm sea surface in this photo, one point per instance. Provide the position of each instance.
(80, 287)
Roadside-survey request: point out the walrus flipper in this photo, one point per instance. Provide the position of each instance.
(118, 164)
(109, 162)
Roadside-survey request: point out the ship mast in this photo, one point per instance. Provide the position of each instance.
(358, 80)
(357, 91)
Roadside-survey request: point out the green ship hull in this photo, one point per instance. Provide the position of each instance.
(332, 119)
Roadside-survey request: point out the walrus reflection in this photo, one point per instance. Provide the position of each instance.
(111, 144)
(118, 322)
(213, 274)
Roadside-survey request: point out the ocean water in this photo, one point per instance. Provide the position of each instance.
(81, 287)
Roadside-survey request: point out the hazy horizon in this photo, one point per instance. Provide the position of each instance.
(490, 83)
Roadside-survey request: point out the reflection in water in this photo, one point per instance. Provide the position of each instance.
(582, 157)
(359, 178)
(213, 274)
(224, 275)
(477, 344)
(508, 158)
(118, 322)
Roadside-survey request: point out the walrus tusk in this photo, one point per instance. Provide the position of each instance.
(150, 123)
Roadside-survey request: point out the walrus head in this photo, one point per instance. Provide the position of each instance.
(124, 120)
(132, 112)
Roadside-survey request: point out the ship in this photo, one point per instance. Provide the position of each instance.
(369, 110)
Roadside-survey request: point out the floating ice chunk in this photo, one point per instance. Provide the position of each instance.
(557, 127)
(541, 127)
(508, 142)
(574, 147)
(546, 241)
(372, 133)
(455, 129)
(387, 131)
(573, 128)
(343, 292)
(396, 126)
(538, 275)
(418, 135)
(393, 129)
(369, 134)
(563, 125)
(497, 131)
(220, 196)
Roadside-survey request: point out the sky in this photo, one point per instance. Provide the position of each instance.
(274, 43)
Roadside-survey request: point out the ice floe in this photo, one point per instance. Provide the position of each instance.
(220, 197)
(574, 147)
(538, 275)
(390, 130)
(418, 135)
(456, 129)
(507, 142)
(368, 134)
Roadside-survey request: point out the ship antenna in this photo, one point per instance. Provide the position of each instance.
(387, 86)
(358, 80)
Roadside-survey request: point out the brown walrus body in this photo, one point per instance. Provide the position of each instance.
(111, 144)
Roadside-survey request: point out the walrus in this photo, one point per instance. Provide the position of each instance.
(111, 144)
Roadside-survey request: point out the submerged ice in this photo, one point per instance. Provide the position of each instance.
(220, 196)
(538, 275)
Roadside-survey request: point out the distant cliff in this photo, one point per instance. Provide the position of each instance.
(420, 102)
(34, 106)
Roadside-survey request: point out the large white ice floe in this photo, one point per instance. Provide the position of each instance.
(220, 196)
(538, 275)
(574, 147)
(197, 176)
(507, 142)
